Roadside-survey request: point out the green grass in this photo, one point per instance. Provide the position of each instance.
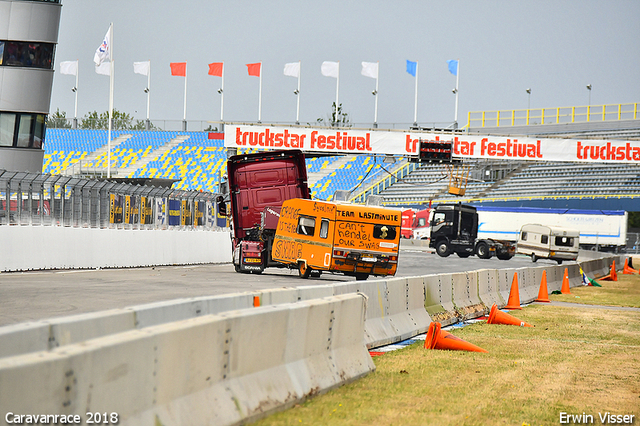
(574, 360)
(612, 293)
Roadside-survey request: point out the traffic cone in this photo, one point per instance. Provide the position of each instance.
(543, 293)
(496, 316)
(514, 294)
(613, 275)
(440, 339)
(566, 289)
(627, 269)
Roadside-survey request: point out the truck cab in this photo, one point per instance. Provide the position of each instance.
(259, 183)
(454, 228)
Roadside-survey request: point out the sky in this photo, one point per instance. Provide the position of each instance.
(555, 48)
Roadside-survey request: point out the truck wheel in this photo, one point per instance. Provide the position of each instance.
(534, 258)
(482, 250)
(303, 270)
(559, 261)
(505, 256)
(360, 276)
(442, 248)
(237, 267)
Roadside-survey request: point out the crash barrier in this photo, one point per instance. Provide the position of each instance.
(52, 247)
(397, 308)
(149, 362)
(215, 369)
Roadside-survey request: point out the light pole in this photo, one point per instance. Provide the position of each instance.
(529, 101)
(589, 104)
(589, 89)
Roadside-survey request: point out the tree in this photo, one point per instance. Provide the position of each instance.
(337, 118)
(121, 121)
(58, 120)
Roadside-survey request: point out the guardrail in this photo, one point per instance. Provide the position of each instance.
(559, 115)
(160, 362)
(57, 200)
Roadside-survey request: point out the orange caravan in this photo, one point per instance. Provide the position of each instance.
(325, 236)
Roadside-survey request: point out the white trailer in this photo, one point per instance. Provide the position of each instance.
(604, 230)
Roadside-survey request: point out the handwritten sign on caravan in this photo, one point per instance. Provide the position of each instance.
(406, 143)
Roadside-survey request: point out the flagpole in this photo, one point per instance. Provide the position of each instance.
(415, 105)
(110, 101)
(260, 97)
(337, 91)
(375, 114)
(222, 100)
(455, 121)
(298, 94)
(148, 92)
(184, 116)
(75, 116)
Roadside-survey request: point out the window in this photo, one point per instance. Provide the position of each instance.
(27, 54)
(544, 239)
(306, 226)
(384, 232)
(7, 128)
(523, 236)
(564, 241)
(22, 130)
(438, 218)
(422, 221)
(324, 228)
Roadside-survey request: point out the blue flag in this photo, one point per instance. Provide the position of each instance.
(453, 66)
(411, 67)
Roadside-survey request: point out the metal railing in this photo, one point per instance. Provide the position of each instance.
(58, 200)
(561, 115)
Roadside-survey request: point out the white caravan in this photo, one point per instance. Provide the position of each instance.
(549, 242)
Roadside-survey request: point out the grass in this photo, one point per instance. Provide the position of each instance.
(574, 360)
(613, 293)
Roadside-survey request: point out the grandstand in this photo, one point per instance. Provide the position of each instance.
(197, 161)
(192, 158)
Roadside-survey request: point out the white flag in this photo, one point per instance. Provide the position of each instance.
(370, 69)
(102, 52)
(141, 67)
(104, 68)
(330, 69)
(292, 69)
(69, 67)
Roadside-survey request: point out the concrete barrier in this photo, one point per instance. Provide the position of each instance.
(108, 248)
(464, 287)
(488, 288)
(216, 369)
(439, 299)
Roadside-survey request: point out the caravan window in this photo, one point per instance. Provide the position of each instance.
(306, 225)
(564, 241)
(384, 232)
(324, 228)
(544, 239)
(523, 237)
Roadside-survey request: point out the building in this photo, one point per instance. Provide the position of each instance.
(28, 38)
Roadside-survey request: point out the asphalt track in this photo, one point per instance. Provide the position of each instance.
(37, 295)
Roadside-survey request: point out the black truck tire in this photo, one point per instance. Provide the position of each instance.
(442, 248)
(482, 251)
(303, 270)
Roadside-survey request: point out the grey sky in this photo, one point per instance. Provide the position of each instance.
(553, 47)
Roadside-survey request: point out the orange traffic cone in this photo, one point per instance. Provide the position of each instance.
(440, 339)
(613, 275)
(566, 289)
(627, 269)
(514, 294)
(496, 316)
(543, 293)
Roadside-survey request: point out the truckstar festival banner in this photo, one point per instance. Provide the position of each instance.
(407, 144)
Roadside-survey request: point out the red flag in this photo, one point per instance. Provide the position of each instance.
(254, 69)
(179, 69)
(215, 69)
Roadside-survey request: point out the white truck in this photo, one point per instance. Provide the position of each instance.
(603, 230)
